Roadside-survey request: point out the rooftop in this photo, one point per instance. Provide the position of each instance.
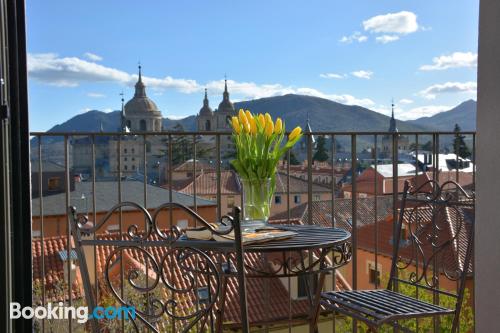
(106, 196)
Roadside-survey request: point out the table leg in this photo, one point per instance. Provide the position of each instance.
(222, 305)
(313, 320)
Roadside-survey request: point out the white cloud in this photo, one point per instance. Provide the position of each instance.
(413, 113)
(423, 111)
(448, 87)
(332, 76)
(92, 56)
(405, 101)
(454, 60)
(176, 117)
(71, 72)
(355, 37)
(107, 110)
(403, 22)
(362, 74)
(95, 95)
(384, 39)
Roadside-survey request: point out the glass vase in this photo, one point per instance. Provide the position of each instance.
(257, 195)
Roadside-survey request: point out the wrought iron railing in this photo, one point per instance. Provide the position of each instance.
(92, 159)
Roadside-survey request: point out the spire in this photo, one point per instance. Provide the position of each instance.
(140, 88)
(226, 93)
(392, 123)
(205, 100)
(308, 128)
(122, 114)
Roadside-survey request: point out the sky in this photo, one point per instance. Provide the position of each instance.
(83, 54)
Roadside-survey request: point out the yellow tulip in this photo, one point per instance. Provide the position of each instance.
(249, 115)
(295, 133)
(243, 118)
(268, 118)
(253, 125)
(246, 127)
(236, 125)
(269, 128)
(278, 127)
(262, 120)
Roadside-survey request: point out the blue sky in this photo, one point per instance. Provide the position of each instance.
(82, 54)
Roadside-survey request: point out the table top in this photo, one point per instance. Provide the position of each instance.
(308, 237)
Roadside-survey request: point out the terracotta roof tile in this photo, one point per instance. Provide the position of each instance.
(258, 307)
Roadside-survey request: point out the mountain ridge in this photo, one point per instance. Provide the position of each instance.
(323, 114)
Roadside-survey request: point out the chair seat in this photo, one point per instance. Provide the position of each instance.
(380, 306)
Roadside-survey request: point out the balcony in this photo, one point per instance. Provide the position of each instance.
(358, 189)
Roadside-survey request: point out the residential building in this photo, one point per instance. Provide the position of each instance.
(51, 210)
(231, 190)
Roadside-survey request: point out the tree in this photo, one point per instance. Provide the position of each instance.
(321, 154)
(293, 158)
(459, 145)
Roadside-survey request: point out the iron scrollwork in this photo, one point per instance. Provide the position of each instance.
(161, 282)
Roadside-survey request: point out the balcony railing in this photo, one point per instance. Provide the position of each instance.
(356, 188)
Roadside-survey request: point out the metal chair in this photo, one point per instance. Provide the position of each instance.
(138, 271)
(433, 243)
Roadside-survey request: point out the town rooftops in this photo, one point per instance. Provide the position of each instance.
(206, 184)
(106, 193)
(404, 169)
(322, 215)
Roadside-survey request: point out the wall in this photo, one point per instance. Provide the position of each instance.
(487, 231)
(56, 225)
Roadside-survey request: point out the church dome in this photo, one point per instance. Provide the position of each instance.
(140, 103)
(206, 110)
(226, 105)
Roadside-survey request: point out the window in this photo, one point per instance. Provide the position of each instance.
(133, 167)
(230, 201)
(296, 199)
(125, 150)
(207, 125)
(133, 150)
(126, 167)
(404, 233)
(125, 159)
(277, 199)
(374, 276)
(303, 283)
(54, 183)
(374, 272)
(142, 125)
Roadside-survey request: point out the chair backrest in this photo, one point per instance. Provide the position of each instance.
(169, 288)
(433, 241)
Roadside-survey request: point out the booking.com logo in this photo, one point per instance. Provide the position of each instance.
(80, 313)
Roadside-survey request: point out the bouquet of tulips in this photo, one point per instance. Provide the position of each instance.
(259, 148)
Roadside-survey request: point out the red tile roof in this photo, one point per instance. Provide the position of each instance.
(260, 310)
(448, 221)
(206, 184)
(322, 212)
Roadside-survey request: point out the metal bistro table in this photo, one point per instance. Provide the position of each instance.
(313, 252)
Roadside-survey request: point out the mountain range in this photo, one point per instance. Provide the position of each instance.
(323, 114)
(463, 114)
